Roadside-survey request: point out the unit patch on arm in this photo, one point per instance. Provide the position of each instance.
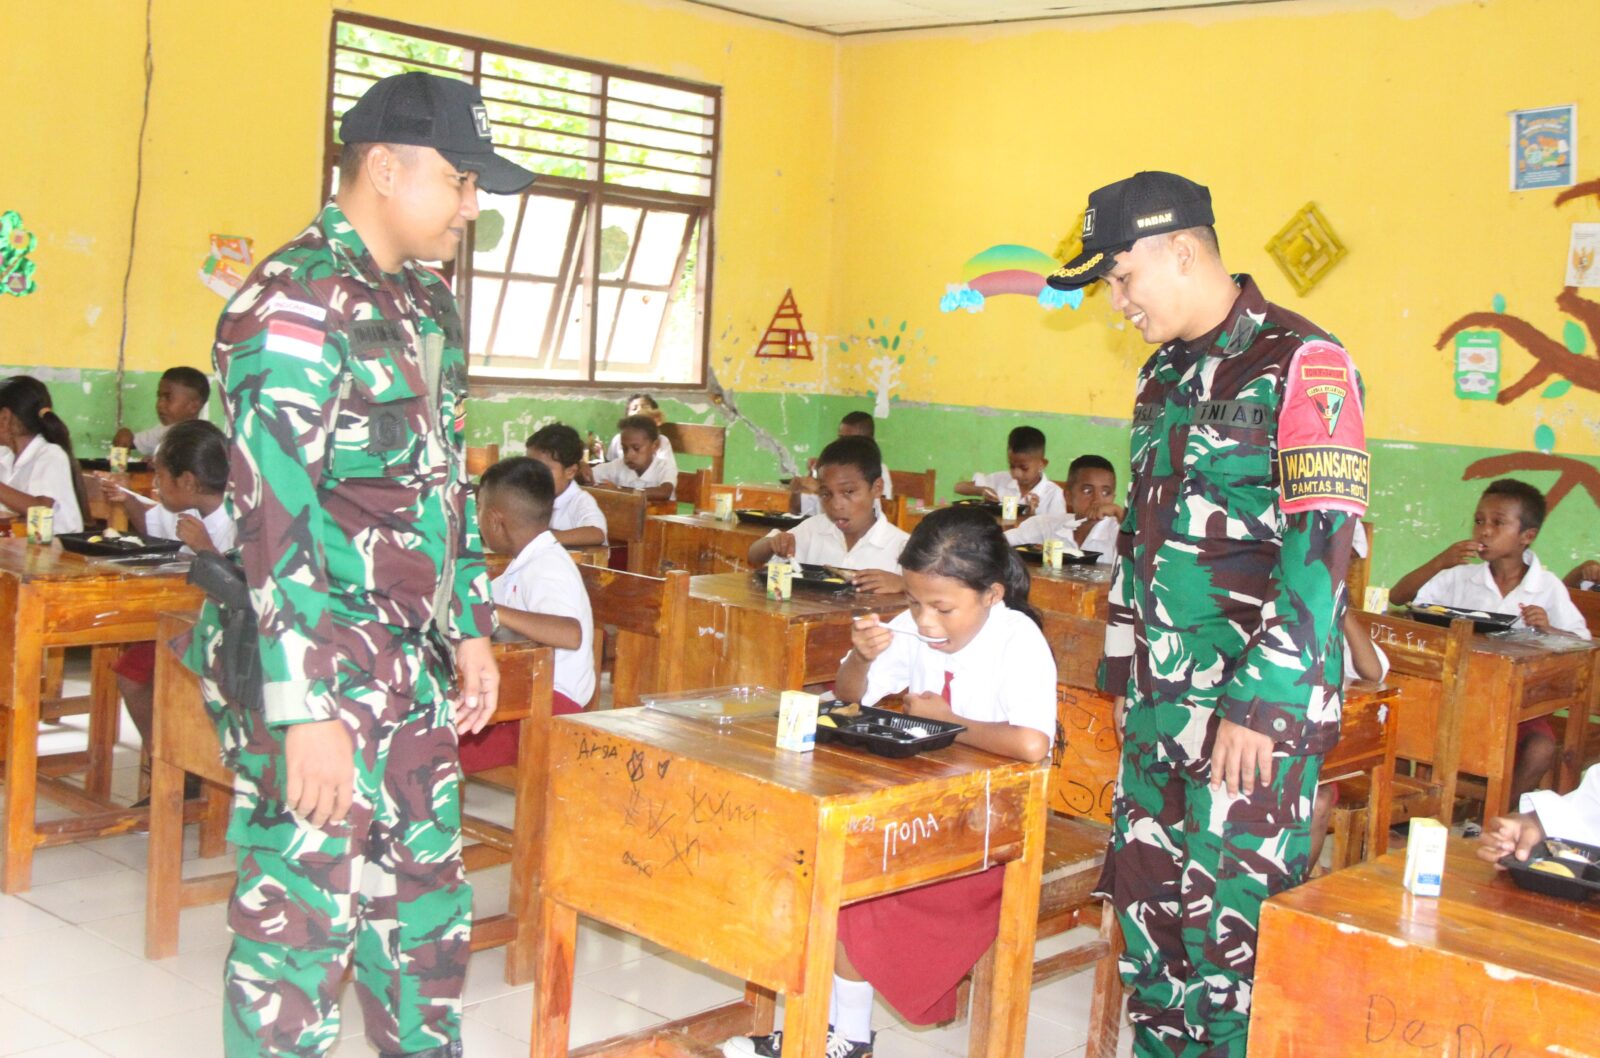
(1323, 462)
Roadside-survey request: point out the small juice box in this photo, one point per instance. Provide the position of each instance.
(724, 506)
(118, 460)
(41, 525)
(1054, 552)
(797, 721)
(1008, 508)
(1425, 844)
(780, 579)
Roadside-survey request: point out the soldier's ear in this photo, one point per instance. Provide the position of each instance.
(382, 168)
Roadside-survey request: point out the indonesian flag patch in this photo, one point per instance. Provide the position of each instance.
(1322, 442)
(294, 339)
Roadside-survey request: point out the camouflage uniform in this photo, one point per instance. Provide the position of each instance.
(359, 543)
(1222, 605)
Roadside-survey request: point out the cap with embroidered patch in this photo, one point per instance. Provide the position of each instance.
(426, 110)
(1120, 214)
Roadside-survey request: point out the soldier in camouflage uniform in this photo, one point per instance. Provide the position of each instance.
(345, 381)
(1247, 463)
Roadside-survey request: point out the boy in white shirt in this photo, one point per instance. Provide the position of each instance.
(850, 532)
(540, 596)
(191, 476)
(803, 488)
(641, 466)
(576, 520)
(1545, 813)
(1510, 580)
(1024, 479)
(1093, 517)
(181, 396)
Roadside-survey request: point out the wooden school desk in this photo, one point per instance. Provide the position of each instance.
(50, 598)
(739, 636)
(698, 543)
(1078, 590)
(737, 854)
(751, 496)
(1508, 681)
(1352, 964)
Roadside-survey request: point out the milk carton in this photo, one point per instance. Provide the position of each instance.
(797, 721)
(1425, 845)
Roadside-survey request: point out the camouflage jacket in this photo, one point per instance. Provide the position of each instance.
(345, 391)
(1222, 604)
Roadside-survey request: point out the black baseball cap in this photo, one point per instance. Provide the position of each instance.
(426, 110)
(1122, 213)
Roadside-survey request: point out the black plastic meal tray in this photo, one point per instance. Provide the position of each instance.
(772, 518)
(80, 544)
(1035, 553)
(884, 733)
(811, 578)
(1584, 887)
(135, 466)
(1435, 614)
(989, 506)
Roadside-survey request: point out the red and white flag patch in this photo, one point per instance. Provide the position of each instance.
(294, 339)
(1323, 463)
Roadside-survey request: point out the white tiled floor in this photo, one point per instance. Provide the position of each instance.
(74, 982)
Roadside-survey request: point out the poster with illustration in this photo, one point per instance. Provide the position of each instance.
(1583, 256)
(1544, 148)
(1478, 365)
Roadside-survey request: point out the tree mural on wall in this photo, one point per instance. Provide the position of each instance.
(1574, 357)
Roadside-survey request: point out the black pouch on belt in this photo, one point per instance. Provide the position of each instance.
(240, 656)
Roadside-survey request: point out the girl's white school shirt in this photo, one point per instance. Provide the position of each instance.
(43, 469)
(163, 524)
(1007, 674)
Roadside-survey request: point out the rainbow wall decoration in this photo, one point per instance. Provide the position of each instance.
(1007, 269)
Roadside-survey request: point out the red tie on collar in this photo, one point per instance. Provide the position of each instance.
(949, 678)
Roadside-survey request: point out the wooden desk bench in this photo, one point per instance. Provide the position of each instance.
(698, 543)
(734, 853)
(1352, 964)
(1079, 590)
(50, 598)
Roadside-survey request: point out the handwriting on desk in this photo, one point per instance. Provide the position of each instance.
(1386, 1025)
(907, 833)
(1392, 636)
(595, 750)
(709, 806)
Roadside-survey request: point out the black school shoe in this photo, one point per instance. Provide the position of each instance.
(772, 1047)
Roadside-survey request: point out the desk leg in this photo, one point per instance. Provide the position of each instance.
(1000, 1008)
(805, 1014)
(22, 753)
(1569, 765)
(164, 888)
(105, 708)
(556, 945)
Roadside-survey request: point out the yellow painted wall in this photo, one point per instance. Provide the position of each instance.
(235, 145)
(1392, 117)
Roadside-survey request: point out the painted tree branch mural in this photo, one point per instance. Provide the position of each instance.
(1574, 357)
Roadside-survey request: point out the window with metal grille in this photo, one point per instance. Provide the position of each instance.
(601, 271)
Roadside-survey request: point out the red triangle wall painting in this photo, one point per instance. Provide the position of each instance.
(786, 337)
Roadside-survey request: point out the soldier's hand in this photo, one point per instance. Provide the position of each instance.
(1119, 714)
(1240, 758)
(480, 685)
(320, 760)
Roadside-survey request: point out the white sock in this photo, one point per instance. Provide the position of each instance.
(833, 1002)
(852, 1017)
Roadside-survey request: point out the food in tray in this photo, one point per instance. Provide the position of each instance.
(825, 720)
(1554, 867)
(111, 536)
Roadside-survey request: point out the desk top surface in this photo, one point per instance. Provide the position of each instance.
(748, 748)
(748, 591)
(708, 521)
(31, 562)
(1481, 915)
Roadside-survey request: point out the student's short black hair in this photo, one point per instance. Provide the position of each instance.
(522, 488)
(196, 447)
(560, 442)
(643, 423)
(1089, 462)
(191, 379)
(853, 451)
(860, 420)
(1026, 441)
(1530, 499)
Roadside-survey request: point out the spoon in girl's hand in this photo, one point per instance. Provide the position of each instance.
(874, 619)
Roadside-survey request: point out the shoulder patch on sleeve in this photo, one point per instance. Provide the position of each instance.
(1322, 442)
(293, 339)
(282, 302)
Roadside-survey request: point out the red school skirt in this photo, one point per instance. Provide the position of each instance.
(914, 947)
(137, 663)
(496, 746)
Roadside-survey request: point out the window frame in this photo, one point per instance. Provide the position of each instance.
(580, 278)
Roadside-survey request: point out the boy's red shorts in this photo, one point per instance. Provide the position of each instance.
(137, 663)
(496, 746)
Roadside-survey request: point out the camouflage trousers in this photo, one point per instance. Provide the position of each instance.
(385, 889)
(1187, 871)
